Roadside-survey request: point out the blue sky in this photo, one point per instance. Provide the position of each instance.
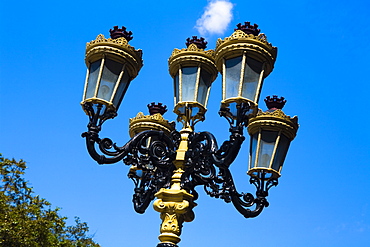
(323, 195)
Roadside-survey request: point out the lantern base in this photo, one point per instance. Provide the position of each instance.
(189, 113)
(263, 173)
(231, 105)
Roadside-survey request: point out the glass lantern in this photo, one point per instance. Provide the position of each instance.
(106, 83)
(267, 151)
(192, 84)
(193, 71)
(244, 59)
(112, 64)
(243, 78)
(271, 133)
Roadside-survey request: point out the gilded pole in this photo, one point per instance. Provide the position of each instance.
(175, 204)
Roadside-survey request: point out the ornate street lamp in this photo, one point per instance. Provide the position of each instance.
(169, 165)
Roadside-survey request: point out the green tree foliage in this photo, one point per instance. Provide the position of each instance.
(26, 220)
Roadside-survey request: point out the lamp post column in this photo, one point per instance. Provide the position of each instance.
(175, 204)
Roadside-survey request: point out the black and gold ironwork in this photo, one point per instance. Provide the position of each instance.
(169, 165)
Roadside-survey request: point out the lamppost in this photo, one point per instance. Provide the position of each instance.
(168, 165)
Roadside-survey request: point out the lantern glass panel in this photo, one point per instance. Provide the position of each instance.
(181, 109)
(233, 108)
(204, 84)
(92, 80)
(121, 90)
(281, 152)
(266, 148)
(101, 108)
(189, 80)
(176, 87)
(252, 72)
(232, 76)
(111, 71)
(253, 149)
(194, 111)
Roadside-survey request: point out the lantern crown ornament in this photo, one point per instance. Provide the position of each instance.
(246, 39)
(118, 47)
(153, 121)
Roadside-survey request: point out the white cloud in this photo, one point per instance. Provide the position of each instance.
(216, 17)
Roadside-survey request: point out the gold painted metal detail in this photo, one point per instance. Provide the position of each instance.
(257, 47)
(175, 204)
(143, 122)
(180, 153)
(116, 49)
(240, 100)
(175, 207)
(192, 56)
(185, 113)
(274, 120)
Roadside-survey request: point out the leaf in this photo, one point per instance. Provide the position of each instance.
(28, 220)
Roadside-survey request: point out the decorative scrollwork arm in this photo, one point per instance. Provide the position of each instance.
(238, 120)
(149, 153)
(242, 202)
(209, 166)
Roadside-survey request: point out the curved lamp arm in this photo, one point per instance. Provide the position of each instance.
(149, 153)
(208, 165)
